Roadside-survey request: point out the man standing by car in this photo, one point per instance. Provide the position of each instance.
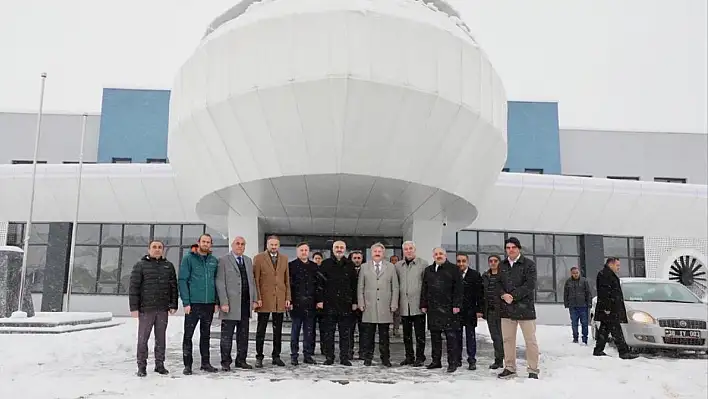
(272, 276)
(518, 275)
(152, 294)
(197, 287)
(472, 303)
(441, 299)
(237, 295)
(306, 294)
(610, 310)
(577, 298)
(410, 281)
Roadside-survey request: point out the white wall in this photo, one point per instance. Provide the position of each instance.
(645, 155)
(60, 140)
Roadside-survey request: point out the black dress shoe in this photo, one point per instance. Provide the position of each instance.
(472, 366)
(208, 368)
(596, 353)
(434, 365)
(278, 362)
(386, 363)
(329, 362)
(345, 363)
(225, 368)
(496, 365)
(187, 370)
(294, 361)
(506, 374)
(142, 372)
(309, 360)
(243, 365)
(452, 368)
(367, 362)
(533, 376)
(628, 356)
(259, 363)
(418, 363)
(407, 362)
(160, 369)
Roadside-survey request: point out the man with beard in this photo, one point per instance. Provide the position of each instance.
(272, 276)
(441, 300)
(357, 259)
(493, 291)
(152, 295)
(339, 283)
(378, 300)
(410, 276)
(472, 303)
(319, 324)
(397, 314)
(306, 294)
(197, 287)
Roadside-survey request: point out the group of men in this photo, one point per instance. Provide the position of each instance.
(341, 294)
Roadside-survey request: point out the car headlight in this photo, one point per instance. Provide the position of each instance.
(641, 317)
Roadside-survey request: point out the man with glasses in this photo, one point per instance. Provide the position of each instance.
(492, 307)
(518, 275)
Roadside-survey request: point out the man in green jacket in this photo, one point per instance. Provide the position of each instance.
(197, 288)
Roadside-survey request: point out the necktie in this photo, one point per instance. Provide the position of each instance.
(240, 261)
(378, 268)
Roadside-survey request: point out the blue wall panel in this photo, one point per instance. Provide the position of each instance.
(533, 138)
(133, 125)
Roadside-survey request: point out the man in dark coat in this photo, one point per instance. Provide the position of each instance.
(492, 307)
(610, 310)
(518, 275)
(472, 304)
(306, 294)
(441, 300)
(577, 298)
(357, 259)
(339, 298)
(152, 294)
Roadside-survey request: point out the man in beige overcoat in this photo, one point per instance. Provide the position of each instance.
(272, 276)
(378, 299)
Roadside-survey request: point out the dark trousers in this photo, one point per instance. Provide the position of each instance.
(332, 323)
(263, 319)
(436, 343)
(306, 323)
(467, 336)
(603, 333)
(494, 325)
(201, 313)
(366, 340)
(356, 324)
(416, 323)
(579, 314)
(227, 340)
(147, 321)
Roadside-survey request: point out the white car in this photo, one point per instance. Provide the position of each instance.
(662, 315)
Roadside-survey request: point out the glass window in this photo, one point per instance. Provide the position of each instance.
(111, 234)
(544, 271)
(85, 269)
(131, 256)
(638, 268)
(136, 234)
(88, 234)
(448, 240)
(526, 241)
(169, 234)
(563, 265)
(15, 234)
(36, 262)
(545, 296)
(218, 239)
(467, 241)
(624, 267)
(221, 251)
(543, 244)
(191, 233)
(39, 234)
(615, 246)
(636, 247)
(173, 254)
(566, 245)
(108, 280)
(490, 242)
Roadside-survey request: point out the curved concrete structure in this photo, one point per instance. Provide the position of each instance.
(288, 95)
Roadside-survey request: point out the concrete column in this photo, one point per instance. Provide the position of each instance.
(56, 268)
(3, 233)
(247, 227)
(592, 257)
(427, 235)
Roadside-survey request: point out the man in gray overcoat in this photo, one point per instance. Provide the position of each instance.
(377, 293)
(237, 293)
(410, 279)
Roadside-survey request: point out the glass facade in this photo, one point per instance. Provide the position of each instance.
(105, 253)
(630, 251)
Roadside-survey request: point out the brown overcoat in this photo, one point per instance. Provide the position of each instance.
(273, 282)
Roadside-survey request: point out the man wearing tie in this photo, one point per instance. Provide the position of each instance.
(472, 305)
(378, 299)
(441, 299)
(236, 289)
(272, 276)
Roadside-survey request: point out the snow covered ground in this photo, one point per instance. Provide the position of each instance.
(100, 364)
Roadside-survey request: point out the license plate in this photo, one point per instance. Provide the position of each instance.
(682, 333)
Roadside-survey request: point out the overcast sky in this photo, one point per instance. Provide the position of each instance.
(611, 64)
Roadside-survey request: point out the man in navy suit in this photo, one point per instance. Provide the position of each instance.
(472, 305)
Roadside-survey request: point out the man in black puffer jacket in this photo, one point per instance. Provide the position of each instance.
(153, 293)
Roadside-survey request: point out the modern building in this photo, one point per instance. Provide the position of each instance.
(384, 125)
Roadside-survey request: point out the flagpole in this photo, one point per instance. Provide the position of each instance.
(75, 225)
(28, 226)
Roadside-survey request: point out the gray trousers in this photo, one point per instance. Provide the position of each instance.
(148, 320)
(495, 331)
